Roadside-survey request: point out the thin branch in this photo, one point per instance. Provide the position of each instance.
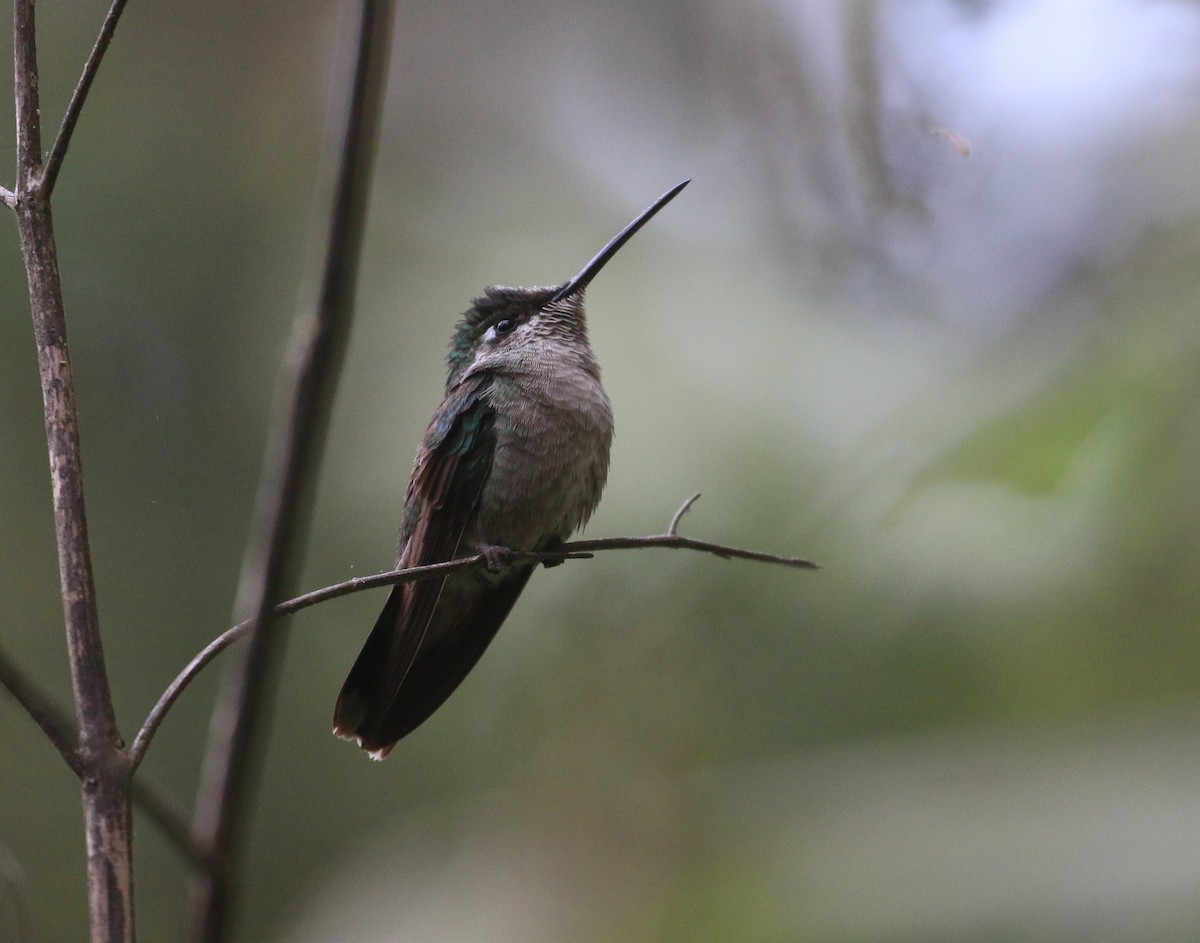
(283, 506)
(45, 713)
(105, 770)
(673, 528)
(8, 198)
(25, 91)
(575, 550)
(79, 97)
(672, 541)
(675, 542)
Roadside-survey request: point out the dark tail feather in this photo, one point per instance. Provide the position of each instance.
(369, 671)
(377, 707)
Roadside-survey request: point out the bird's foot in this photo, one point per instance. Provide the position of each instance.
(553, 545)
(496, 557)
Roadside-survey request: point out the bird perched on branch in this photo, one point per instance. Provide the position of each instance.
(515, 458)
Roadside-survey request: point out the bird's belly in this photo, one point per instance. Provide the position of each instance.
(548, 471)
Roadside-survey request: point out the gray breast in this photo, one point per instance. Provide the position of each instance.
(551, 459)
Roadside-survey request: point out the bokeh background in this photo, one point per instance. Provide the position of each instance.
(927, 313)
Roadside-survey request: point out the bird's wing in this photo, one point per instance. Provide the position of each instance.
(453, 463)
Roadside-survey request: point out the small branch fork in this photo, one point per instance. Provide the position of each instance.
(575, 550)
(46, 175)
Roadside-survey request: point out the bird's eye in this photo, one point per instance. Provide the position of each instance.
(505, 326)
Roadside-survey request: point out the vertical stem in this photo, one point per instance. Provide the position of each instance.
(296, 437)
(104, 768)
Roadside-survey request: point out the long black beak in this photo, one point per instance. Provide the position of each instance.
(580, 281)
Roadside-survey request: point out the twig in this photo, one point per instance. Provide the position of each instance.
(673, 529)
(105, 770)
(675, 542)
(78, 97)
(672, 541)
(45, 713)
(575, 550)
(8, 198)
(282, 509)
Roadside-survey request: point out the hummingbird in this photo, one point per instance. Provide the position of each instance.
(515, 458)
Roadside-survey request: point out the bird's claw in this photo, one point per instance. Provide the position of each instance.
(496, 558)
(553, 545)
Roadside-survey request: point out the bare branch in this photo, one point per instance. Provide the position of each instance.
(137, 752)
(78, 97)
(675, 542)
(45, 713)
(25, 91)
(104, 767)
(672, 541)
(683, 509)
(282, 510)
(8, 198)
(575, 550)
